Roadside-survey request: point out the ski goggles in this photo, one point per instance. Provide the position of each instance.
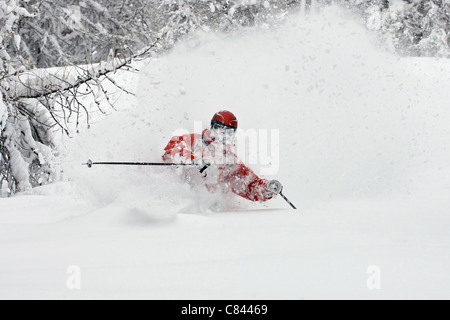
(216, 125)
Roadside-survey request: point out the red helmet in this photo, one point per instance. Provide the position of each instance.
(226, 118)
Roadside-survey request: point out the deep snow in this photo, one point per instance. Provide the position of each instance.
(363, 154)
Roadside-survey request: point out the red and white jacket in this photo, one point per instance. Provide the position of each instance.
(226, 172)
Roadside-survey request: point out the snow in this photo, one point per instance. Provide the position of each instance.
(3, 114)
(17, 41)
(363, 155)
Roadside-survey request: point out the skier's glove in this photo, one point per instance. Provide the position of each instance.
(202, 164)
(274, 186)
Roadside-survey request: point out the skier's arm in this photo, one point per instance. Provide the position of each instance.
(177, 150)
(245, 183)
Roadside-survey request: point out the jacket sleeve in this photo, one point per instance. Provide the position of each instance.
(245, 183)
(178, 151)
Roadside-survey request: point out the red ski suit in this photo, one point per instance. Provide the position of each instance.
(227, 171)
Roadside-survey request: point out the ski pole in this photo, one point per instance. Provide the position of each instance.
(90, 163)
(287, 200)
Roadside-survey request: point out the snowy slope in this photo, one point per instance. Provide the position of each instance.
(363, 154)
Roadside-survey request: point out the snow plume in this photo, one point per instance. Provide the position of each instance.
(354, 121)
(351, 116)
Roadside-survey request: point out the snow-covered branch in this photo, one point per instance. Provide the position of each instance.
(39, 83)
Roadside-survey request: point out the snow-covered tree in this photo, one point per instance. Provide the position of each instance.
(15, 133)
(87, 31)
(35, 104)
(84, 31)
(180, 17)
(410, 27)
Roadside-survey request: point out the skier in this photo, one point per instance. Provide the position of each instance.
(215, 164)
